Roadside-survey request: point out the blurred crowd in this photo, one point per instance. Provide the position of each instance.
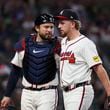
(17, 21)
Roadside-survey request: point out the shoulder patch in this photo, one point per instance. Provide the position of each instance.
(96, 59)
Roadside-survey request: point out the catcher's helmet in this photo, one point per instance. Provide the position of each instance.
(44, 18)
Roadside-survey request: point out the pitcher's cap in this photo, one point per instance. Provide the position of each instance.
(67, 14)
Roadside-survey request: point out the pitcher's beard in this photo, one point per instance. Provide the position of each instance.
(63, 34)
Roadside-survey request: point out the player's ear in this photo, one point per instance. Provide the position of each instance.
(73, 24)
(37, 28)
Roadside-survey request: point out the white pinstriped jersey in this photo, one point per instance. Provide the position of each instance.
(77, 58)
(17, 60)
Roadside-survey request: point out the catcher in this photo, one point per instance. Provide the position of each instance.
(35, 55)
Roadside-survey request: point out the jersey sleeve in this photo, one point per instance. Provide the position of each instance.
(18, 58)
(19, 49)
(90, 54)
(20, 45)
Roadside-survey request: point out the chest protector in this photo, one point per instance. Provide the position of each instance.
(39, 66)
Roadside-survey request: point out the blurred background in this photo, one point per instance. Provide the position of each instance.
(17, 20)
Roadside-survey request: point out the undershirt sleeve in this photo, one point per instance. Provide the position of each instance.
(13, 79)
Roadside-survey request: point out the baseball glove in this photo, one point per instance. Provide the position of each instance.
(107, 103)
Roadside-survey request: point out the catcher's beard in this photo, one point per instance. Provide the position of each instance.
(45, 37)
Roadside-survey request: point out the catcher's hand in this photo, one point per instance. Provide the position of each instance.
(107, 103)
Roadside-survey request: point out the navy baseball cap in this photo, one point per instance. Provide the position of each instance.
(44, 18)
(67, 14)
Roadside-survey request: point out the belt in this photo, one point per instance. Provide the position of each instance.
(71, 87)
(39, 89)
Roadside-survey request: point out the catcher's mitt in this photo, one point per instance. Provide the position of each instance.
(107, 103)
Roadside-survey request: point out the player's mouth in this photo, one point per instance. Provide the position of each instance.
(61, 31)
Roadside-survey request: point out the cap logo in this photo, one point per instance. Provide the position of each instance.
(61, 12)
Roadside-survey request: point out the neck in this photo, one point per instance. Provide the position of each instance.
(73, 34)
(39, 39)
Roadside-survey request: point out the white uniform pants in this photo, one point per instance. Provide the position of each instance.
(79, 98)
(39, 100)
